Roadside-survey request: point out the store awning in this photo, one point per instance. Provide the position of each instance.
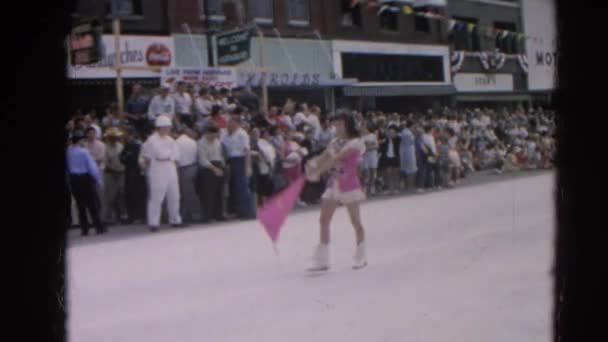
(400, 90)
(489, 97)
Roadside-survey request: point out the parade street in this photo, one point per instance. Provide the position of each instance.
(468, 264)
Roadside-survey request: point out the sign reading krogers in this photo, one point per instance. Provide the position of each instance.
(139, 51)
(539, 22)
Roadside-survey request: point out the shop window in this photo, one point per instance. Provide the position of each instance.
(298, 12)
(261, 11)
(389, 19)
(351, 15)
(461, 38)
(506, 43)
(214, 9)
(125, 8)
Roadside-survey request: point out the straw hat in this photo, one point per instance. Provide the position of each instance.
(113, 132)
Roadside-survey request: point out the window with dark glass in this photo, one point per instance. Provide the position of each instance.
(461, 38)
(261, 10)
(392, 68)
(298, 12)
(389, 19)
(214, 8)
(506, 40)
(124, 8)
(351, 15)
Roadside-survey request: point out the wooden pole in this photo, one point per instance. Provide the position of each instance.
(117, 66)
(263, 71)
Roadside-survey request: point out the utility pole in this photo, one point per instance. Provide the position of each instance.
(117, 64)
(208, 35)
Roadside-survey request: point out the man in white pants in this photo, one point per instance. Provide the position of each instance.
(159, 156)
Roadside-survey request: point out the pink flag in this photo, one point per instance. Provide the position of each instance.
(275, 211)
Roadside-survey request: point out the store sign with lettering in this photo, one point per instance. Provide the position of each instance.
(483, 82)
(136, 51)
(201, 77)
(539, 21)
(289, 79)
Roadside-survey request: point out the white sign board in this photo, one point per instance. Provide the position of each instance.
(138, 51)
(540, 24)
(480, 83)
(201, 77)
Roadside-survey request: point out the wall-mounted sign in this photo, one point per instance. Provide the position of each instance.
(201, 77)
(290, 79)
(139, 51)
(233, 47)
(483, 82)
(85, 43)
(539, 21)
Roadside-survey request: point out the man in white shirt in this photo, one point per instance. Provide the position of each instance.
(187, 173)
(300, 117)
(432, 169)
(237, 146)
(203, 103)
(183, 105)
(162, 104)
(114, 178)
(159, 155)
(225, 101)
(312, 119)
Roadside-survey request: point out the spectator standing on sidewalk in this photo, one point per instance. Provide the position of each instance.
(237, 146)
(84, 177)
(114, 178)
(369, 160)
(389, 160)
(137, 109)
(187, 174)
(159, 156)
(161, 104)
(183, 105)
(212, 168)
(135, 181)
(407, 158)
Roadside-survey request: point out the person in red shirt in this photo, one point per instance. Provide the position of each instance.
(217, 118)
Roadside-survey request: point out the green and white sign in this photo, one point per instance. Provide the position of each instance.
(233, 47)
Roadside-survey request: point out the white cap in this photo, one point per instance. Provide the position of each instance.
(163, 121)
(165, 86)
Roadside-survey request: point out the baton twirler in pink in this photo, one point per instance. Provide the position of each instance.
(275, 212)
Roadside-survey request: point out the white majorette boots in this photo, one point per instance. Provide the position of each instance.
(360, 258)
(320, 259)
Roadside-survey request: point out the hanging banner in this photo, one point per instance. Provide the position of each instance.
(233, 47)
(457, 60)
(539, 22)
(523, 63)
(201, 77)
(138, 51)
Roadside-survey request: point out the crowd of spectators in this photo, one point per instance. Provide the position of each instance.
(420, 152)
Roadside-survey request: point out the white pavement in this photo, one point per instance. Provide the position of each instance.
(468, 265)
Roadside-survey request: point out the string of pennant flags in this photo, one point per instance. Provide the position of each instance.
(409, 7)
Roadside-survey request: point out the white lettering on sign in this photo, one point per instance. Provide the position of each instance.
(139, 51)
(483, 82)
(542, 52)
(280, 79)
